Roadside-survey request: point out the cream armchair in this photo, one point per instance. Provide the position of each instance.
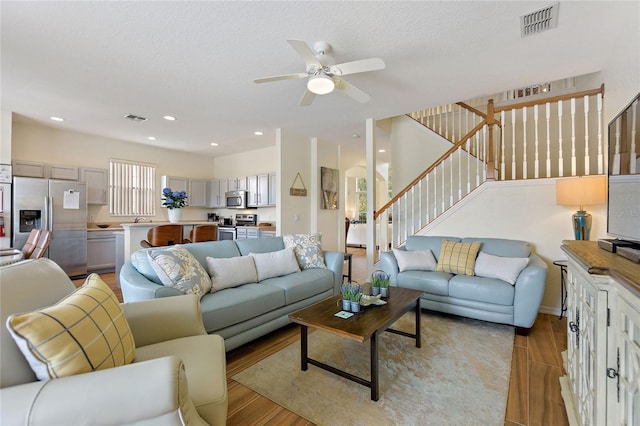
(178, 375)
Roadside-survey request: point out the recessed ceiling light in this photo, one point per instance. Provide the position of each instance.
(258, 133)
(382, 150)
(355, 136)
(213, 144)
(169, 118)
(151, 138)
(57, 118)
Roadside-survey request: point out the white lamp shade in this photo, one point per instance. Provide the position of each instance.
(320, 84)
(581, 191)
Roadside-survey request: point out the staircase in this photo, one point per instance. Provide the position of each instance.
(556, 136)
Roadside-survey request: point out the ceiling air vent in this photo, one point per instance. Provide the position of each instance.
(540, 20)
(135, 118)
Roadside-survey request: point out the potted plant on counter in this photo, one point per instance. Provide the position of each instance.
(174, 201)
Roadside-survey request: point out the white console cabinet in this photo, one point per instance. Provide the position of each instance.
(602, 360)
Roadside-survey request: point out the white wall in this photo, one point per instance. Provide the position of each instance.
(520, 210)
(5, 158)
(329, 222)
(293, 212)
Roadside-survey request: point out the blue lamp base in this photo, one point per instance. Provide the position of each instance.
(582, 225)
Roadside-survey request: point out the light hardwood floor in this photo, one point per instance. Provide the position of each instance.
(534, 390)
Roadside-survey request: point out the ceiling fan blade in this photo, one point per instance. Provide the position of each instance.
(307, 98)
(305, 52)
(353, 91)
(281, 77)
(363, 65)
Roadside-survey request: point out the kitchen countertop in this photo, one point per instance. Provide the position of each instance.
(112, 227)
(152, 224)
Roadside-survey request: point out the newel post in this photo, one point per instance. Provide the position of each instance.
(490, 163)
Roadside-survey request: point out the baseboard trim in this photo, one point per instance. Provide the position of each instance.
(551, 310)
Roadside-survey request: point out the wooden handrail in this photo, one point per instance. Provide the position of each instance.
(472, 109)
(451, 150)
(550, 99)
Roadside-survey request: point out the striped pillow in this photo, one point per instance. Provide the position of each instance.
(85, 331)
(457, 258)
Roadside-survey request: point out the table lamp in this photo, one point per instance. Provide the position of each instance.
(581, 191)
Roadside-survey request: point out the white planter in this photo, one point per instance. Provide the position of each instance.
(175, 215)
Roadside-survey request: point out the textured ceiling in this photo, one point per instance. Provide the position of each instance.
(93, 62)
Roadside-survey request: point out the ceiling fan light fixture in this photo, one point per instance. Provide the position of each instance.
(320, 84)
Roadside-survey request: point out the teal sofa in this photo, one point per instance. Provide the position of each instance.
(489, 299)
(244, 313)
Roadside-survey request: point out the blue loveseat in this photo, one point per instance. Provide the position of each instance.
(246, 312)
(485, 298)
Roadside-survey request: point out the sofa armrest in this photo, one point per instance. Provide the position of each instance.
(335, 262)
(389, 264)
(159, 320)
(136, 286)
(150, 392)
(529, 291)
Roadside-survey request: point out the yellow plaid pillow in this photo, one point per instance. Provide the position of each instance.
(85, 331)
(457, 258)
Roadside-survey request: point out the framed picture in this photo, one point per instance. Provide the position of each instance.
(329, 186)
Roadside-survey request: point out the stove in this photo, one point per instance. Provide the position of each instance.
(246, 219)
(228, 232)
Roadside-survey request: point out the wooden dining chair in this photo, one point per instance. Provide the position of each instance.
(30, 245)
(202, 233)
(163, 235)
(42, 245)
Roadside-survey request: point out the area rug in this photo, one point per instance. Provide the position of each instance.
(459, 376)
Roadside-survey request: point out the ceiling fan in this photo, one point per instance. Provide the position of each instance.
(324, 77)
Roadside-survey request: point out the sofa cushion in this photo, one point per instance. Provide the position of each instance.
(429, 282)
(231, 271)
(275, 263)
(504, 268)
(489, 290)
(231, 306)
(502, 247)
(86, 331)
(259, 245)
(177, 268)
(415, 260)
(307, 248)
(422, 242)
(217, 249)
(303, 284)
(457, 258)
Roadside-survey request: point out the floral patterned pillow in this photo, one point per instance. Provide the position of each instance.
(308, 249)
(177, 268)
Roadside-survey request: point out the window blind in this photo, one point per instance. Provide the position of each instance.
(132, 188)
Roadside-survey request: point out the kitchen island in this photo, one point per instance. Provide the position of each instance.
(136, 232)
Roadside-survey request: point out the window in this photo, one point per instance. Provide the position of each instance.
(132, 189)
(361, 199)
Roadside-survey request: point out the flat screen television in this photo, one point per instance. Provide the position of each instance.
(623, 207)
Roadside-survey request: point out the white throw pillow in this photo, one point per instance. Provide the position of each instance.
(504, 268)
(231, 271)
(275, 263)
(415, 260)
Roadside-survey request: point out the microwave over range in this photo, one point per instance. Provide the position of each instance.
(236, 199)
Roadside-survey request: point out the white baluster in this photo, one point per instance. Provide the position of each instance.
(468, 165)
(632, 156)
(446, 122)
(502, 118)
(586, 136)
(450, 180)
(600, 156)
(560, 159)
(573, 136)
(427, 205)
(442, 173)
(420, 203)
(478, 162)
(459, 173)
(536, 163)
(524, 142)
(484, 152)
(440, 119)
(513, 144)
(548, 111)
(435, 193)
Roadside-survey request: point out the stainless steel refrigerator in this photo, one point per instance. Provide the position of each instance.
(59, 206)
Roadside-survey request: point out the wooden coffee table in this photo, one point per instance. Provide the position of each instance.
(361, 326)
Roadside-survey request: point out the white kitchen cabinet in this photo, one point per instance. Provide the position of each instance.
(217, 189)
(602, 360)
(63, 172)
(175, 183)
(97, 184)
(197, 193)
(101, 251)
(241, 183)
(258, 191)
(272, 189)
(30, 169)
